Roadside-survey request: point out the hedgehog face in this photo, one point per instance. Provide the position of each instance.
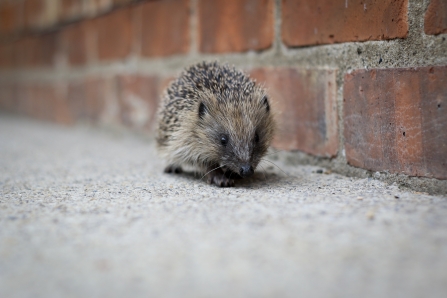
(239, 131)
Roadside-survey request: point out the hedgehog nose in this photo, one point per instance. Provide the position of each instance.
(246, 170)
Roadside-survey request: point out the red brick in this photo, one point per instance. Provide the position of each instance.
(34, 13)
(96, 7)
(43, 102)
(77, 100)
(235, 25)
(24, 93)
(70, 10)
(8, 97)
(165, 27)
(114, 35)
(60, 108)
(138, 97)
(96, 95)
(8, 55)
(36, 51)
(10, 17)
(86, 99)
(93, 99)
(164, 84)
(436, 17)
(35, 100)
(74, 43)
(304, 104)
(121, 2)
(39, 14)
(395, 120)
(108, 90)
(26, 54)
(327, 21)
(48, 47)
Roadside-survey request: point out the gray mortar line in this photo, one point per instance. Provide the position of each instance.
(277, 41)
(194, 28)
(340, 56)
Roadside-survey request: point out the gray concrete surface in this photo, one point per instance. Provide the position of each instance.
(87, 213)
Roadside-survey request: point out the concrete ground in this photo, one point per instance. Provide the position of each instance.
(88, 213)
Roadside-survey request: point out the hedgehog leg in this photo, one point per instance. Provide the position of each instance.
(218, 178)
(173, 169)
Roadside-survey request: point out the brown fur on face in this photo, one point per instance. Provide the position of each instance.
(215, 115)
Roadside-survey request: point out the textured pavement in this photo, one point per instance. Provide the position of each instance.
(88, 213)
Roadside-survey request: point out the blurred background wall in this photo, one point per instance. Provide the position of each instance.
(361, 82)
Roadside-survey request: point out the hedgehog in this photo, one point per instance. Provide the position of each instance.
(216, 119)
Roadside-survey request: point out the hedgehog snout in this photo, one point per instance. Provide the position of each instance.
(246, 170)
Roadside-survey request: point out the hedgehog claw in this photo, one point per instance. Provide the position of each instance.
(219, 179)
(171, 169)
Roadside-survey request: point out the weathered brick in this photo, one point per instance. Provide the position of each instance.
(74, 43)
(82, 100)
(87, 99)
(40, 14)
(33, 13)
(122, 2)
(327, 21)
(30, 100)
(164, 84)
(47, 49)
(8, 97)
(165, 27)
(235, 25)
(96, 94)
(436, 17)
(22, 96)
(10, 17)
(26, 54)
(77, 100)
(304, 104)
(395, 120)
(114, 35)
(93, 99)
(138, 97)
(60, 108)
(96, 7)
(70, 10)
(36, 51)
(8, 55)
(102, 5)
(43, 99)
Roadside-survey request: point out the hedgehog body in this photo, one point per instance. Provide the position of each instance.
(215, 118)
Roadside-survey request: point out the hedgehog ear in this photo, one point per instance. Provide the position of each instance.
(265, 102)
(202, 110)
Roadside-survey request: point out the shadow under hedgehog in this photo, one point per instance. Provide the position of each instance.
(215, 118)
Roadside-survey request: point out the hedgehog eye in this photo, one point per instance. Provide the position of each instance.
(266, 103)
(202, 110)
(256, 138)
(224, 140)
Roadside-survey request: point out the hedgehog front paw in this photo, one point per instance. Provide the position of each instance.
(219, 179)
(172, 169)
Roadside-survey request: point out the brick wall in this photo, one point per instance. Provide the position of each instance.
(363, 82)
